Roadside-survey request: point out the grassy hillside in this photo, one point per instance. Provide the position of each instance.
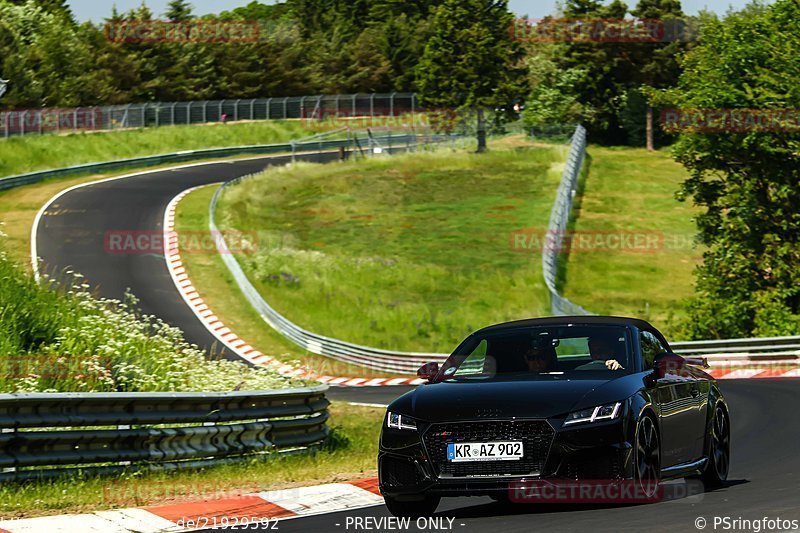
(408, 253)
(26, 154)
(630, 193)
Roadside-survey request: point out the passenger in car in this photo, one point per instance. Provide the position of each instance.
(602, 356)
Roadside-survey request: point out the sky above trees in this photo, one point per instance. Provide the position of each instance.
(99, 9)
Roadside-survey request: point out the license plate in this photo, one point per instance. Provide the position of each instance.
(458, 452)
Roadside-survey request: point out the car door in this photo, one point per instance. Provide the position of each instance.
(677, 396)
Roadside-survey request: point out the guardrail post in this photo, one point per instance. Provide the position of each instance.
(7, 431)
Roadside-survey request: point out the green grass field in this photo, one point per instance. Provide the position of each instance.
(220, 292)
(408, 253)
(27, 154)
(631, 193)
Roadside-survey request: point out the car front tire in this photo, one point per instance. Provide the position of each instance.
(412, 509)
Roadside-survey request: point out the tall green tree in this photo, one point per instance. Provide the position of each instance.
(745, 178)
(179, 11)
(657, 62)
(470, 60)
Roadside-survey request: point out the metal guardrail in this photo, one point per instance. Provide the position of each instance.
(154, 114)
(106, 433)
(559, 221)
(778, 346)
(364, 356)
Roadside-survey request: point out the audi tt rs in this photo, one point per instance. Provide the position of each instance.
(543, 400)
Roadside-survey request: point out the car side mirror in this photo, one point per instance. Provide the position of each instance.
(428, 371)
(668, 363)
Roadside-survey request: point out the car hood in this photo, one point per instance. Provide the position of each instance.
(541, 397)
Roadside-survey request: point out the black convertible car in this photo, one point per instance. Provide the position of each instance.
(546, 400)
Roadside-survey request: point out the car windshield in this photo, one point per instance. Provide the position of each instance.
(542, 350)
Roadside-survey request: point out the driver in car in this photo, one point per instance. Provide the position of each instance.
(602, 356)
(541, 357)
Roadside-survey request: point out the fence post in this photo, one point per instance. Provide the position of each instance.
(205, 111)
(269, 106)
(5, 125)
(11, 431)
(413, 110)
(285, 108)
(337, 106)
(303, 107)
(391, 104)
(354, 105)
(144, 116)
(372, 105)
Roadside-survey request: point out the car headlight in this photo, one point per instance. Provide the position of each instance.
(594, 414)
(397, 421)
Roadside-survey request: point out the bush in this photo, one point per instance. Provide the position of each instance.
(57, 337)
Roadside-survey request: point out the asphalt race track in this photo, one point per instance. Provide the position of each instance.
(764, 481)
(72, 231)
(765, 470)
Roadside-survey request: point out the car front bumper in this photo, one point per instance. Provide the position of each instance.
(410, 466)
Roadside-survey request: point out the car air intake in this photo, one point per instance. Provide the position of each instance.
(536, 436)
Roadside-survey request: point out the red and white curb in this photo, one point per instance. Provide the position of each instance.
(754, 373)
(227, 337)
(265, 508)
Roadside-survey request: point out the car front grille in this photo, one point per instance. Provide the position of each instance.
(536, 436)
